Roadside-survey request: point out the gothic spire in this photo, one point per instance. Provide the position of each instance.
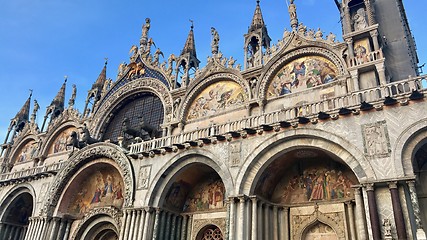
(97, 88)
(100, 81)
(257, 20)
(23, 115)
(190, 46)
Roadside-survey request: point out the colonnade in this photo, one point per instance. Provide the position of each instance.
(48, 228)
(12, 231)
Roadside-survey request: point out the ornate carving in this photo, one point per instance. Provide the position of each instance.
(144, 177)
(199, 224)
(376, 140)
(96, 150)
(113, 212)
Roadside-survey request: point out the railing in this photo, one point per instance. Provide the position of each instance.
(290, 114)
(369, 57)
(32, 171)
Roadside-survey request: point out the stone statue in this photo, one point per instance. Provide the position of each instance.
(73, 96)
(145, 29)
(292, 10)
(133, 52)
(157, 55)
(331, 37)
(387, 227)
(36, 107)
(360, 20)
(231, 62)
(319, 34)
(121, 70)
(215, 41)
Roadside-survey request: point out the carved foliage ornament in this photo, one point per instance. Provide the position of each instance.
(139, 85)
(75, 162)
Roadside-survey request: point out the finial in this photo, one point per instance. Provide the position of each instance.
(257, 2)
(106, 61)
(192, 24)
(65, 78)
(31, 93)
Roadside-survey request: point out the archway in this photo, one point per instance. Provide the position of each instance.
(210, 232)
(419, 161)
(99, 227)
(320, 231)
(16, 211)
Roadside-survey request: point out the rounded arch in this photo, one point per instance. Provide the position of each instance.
(204, 83)
(99, 222)
(151, 85)
(280, 143)
(28, 143)
(12, 195)
(406, 145)
(164, 178)
(82, 157)
(55, 133)
(274, 65)
(209, 231)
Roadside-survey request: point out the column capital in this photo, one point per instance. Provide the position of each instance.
(242, 198)
(392, 185)
(411, 183)
(374, 33)
(369, 186)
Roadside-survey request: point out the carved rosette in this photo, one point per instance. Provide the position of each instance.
(268, 76)
(139, 85)
(113, 212)
(96, 150)
(208, 81)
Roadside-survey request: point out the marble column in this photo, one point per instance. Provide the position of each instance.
(156, 225)
(275, 223)
(178, 227)
(360, 213)
(167, 227)
(284, 225)
(370, 12)
(30, 224)
(141, 225)
(189, 225)
(54, 231)
(254, 227)
(266, 221)
(351, 218)
(31, 232)
(147, 225)
(128, 219)
(232, 217)
(37, 229)
(61, 230)
(421, 235)
(347, 19)
(374, 36)
(184, 227)
(123, 227)
(162, 224)
(173, 227)
(240, 218)
(397, 211)
(131, 225)
(136, 224)
(260, 220)
(67, 230)
(381, 73)
(373, 212)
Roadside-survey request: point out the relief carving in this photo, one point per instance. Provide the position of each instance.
(376, 139)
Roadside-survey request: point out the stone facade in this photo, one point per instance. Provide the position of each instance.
(313, 138)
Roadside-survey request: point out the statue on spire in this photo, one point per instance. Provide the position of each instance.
(292, 9)
(72, 100)
(144, 35)
(215, 41)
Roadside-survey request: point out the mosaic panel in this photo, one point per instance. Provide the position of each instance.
(302, 73)
(60, 142)
(27, 152)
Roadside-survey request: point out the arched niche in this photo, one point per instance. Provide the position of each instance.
(97, 184)
(16, 209)
(319, 230)
(215, 98)
(195, 188)
(58, 143)
(26, 151)
(210, 232)
(143, 104)
(302, 73)
(306, 175)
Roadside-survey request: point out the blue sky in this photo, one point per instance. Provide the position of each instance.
(41, 41)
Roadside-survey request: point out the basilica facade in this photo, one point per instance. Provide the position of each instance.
(308, 138)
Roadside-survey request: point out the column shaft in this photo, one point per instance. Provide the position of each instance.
(254, 219)
(184, 227)
(123, 227)
(131, 225)
(141, 225)
(373, 212)
(351, 218)
(232, 217)
(61, 230)
(67, 230)
(126, 235)
(397, 211)
(285, 217)
(360, 213)
(240, 219)
(275, 223)
(156, 225)
(54, 231)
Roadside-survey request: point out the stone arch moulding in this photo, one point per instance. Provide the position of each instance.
(136, 86)
(163, 179)
(96, 150)
(318, 216)
(112, 212)
(48, 141)
(19, 145)
(406, 144)
(190, 97)
(13, 193)
(280, 143)
(268, 75)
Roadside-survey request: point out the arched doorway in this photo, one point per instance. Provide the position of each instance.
(99, 227)
(419, 161)
(320, 231)
(16, 210)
